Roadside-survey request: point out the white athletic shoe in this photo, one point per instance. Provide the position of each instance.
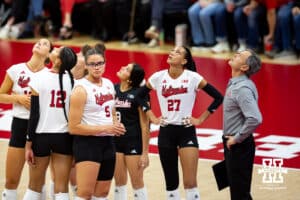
(152, 33)
(16, 30)
(152, 43)
(242, 47)
(221, 47)
(4, 32)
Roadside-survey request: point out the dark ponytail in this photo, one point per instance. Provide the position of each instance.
(47, 60)
(137, 75)
(190, 64)
(68, 61)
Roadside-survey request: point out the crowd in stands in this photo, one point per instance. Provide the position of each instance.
(266, 26)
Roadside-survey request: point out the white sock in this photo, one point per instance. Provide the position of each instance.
(62, 196)
(78, 198)
(32, 195)
(192, 194)
(51, 190)
(120, 193)
(9, 194)
(73, 189)
(140, 194)
(173, 195)
(44, 193)
(98, 198)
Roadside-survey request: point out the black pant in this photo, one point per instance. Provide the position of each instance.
(103, 19)
(239, 163)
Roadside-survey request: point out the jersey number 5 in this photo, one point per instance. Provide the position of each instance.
(56, 99)
(107, 111)
(173, 104)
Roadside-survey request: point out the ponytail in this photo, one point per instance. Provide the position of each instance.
(190, 64)
(68, 61)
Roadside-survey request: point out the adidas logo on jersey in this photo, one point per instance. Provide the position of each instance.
(130, 96)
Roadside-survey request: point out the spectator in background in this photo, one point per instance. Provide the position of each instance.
(201, 15)
(66, 31)
(159, 8)
(43, 19)
(296, 18)
(5, 10)
(252, 15)
(12, 27)
(122, 17)
(102, 16)
(279, 18)
(240, 20)
(52, 19)
(134, 21)
(220, 22)
(34, 20)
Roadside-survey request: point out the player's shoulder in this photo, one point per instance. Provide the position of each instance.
(19, 66)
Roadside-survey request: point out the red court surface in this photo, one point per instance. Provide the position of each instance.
(279, 98)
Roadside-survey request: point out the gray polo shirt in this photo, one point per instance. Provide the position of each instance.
(240, 109)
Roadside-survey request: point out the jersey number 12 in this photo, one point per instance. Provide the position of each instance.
(56, 98)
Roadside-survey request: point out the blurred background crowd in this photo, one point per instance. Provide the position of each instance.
(271, 27)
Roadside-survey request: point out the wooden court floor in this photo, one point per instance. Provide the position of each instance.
(275, 86)
(288, 190)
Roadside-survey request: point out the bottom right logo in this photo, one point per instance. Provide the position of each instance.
(272, 171)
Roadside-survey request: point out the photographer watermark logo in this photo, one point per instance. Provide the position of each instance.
(272, 171)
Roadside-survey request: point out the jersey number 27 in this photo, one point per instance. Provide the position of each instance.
(174, 104)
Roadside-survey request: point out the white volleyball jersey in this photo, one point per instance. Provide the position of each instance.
(176, 96)
(52, 118)
(21, 76)
(99, 103)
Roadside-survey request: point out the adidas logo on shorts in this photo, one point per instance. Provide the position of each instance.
(133, 151)
(190, 142)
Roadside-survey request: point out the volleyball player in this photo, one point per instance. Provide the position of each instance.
(176, 89)
(132, 147)
(15, 90)
(92, 122)
(79, 71)
(48, 126)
